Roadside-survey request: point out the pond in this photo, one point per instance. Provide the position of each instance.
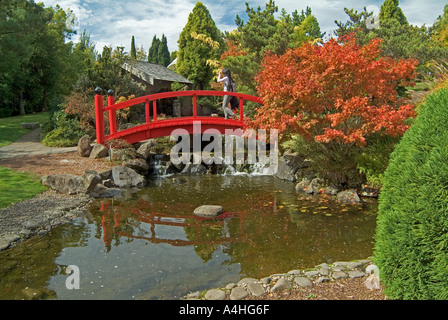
(152, 246)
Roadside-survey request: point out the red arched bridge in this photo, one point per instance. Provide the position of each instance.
(153, 127)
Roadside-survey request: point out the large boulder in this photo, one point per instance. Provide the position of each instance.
(125, 177)
(138, 164)
(84, 146)
(288, 165)
(147, 148)
(99, 151)
(65, 183)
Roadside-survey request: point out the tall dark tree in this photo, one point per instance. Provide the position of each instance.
(163, 52)
(133, 50)
(153, 52)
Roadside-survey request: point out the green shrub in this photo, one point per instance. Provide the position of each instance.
(411, 247)
(66, 131)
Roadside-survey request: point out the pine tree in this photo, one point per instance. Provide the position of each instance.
(391, 10)
(133, 50)
(193, 54)
(153, 53)
(163, 52)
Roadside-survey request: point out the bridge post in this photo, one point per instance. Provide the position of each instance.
(112, 113)
(241, 109)
(195, 106)
(99, 115)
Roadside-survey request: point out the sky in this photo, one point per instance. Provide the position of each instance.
(114, 22)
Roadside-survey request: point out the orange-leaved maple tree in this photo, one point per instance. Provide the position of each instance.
(339, 91)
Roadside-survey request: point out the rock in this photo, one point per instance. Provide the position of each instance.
(30, 125)
(65, 183)
(91, 179)
(101, 191)
(322, 280)
(123, 154)
(282, 284)
(208, 211)
(194, 169)
(238, 293)
(356, 274)
(301, 186)
(147, 148)
(303, 282)
(247, 281)
(7, 239)
(312, 273)
(295, 272)
(256, 289)
(215, 294)
(125, 177)
(84, 146)
(348, 196)
(139, 165)
(99, 151)
(288, 165)
(339, 275)
(314, 186)
(331, 190)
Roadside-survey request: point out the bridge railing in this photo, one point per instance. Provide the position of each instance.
(150, 102)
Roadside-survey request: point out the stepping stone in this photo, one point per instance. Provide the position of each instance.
(208, 211)
(356, 274)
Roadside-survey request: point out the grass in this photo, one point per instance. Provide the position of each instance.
(10, 129)
(17, 186)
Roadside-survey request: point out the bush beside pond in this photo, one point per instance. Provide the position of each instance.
(411, 247)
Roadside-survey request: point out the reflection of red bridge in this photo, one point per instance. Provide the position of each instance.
(111, 222)
(154, 128)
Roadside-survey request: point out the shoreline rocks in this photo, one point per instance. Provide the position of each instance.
(291, 280)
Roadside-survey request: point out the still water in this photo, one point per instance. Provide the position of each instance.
(151, 246)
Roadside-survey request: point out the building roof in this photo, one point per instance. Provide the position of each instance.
(151, 71)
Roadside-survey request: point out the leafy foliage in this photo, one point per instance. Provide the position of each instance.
(411, 241)
(263, 33)
(341, 92)
(193, 54)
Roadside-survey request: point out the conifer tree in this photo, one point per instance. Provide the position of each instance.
(163, 52)
(193, 54)
(153, 53)
(391, 10)
(133, 50)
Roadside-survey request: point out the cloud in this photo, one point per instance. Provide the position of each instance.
(114, 22)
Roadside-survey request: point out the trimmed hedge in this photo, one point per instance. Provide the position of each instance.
(411, 241)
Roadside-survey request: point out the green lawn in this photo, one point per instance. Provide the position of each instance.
(10, 129)
(17, 186)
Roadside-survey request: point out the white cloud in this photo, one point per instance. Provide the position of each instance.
(114, 22)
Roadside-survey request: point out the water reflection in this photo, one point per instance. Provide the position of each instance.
(152, 246)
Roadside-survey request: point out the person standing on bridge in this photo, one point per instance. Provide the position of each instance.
(227, 79)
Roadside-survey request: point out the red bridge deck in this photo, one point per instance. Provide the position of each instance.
(154, 128)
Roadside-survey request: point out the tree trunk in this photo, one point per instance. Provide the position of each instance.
(45, 101)
(21, 104)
